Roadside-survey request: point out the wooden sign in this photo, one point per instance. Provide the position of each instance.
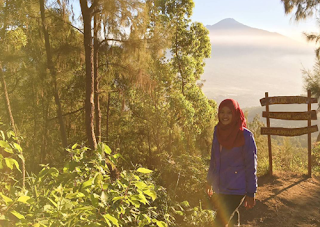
(288, 131)
(309, 115)
(287, 100)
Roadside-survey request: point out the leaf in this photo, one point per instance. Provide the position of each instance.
(6, 146)
(144, 170)
(143, 199)
(104, 197)
(17, 147)
(112, 219)
(10, 134)
(118, 155)
(185, 203)
(24, 199)
(74, 146)
(161, 224)
(18, 215)
(80, 195)
(105, 186)
(2, 135)
(140, 185)
(135, 203)
(6, 199)
(10, 162)
(52, 171)
(147, 218)
(106, 149)
(87, 183)
(54, 203)
(21, 157)
(47, 207)
(117, 198)
(151, 193)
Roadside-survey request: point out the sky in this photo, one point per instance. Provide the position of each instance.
(263, 14)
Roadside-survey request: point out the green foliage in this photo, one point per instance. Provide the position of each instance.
(312, 80)
(290, 156)
(83, 194)
(315, 159)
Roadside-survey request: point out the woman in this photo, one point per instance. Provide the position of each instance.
(233, 165)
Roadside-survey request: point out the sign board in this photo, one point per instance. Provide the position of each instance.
(288, 131)
(309, 115)
(287, 100)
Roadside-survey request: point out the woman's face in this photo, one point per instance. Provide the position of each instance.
(225, 115)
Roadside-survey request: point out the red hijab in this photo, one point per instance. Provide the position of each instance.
(231, 135)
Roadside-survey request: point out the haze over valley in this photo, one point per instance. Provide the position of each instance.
(246, 62)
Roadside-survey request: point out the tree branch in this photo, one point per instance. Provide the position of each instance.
(73, 112)
(68, 23)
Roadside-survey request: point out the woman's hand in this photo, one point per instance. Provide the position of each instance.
(209, 190)
(249, 202)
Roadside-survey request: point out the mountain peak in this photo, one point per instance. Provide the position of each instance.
(230, 26)
(228, 23)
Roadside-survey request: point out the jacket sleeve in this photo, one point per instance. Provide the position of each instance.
(250, 165)
(212, 162)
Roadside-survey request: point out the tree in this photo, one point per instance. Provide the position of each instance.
(53, 72)
(87, 13)
(304, 9)
(12, 40)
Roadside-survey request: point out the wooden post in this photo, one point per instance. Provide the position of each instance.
(309, 135)
(269, 136)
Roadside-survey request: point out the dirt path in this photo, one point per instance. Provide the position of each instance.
(285, 200)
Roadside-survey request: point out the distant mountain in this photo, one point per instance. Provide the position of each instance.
(233, 26)
(246, 62)
(228, 23)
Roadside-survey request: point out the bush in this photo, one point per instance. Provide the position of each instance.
(86, 193)
(82, 194)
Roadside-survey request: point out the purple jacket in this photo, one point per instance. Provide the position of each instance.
(234, 171)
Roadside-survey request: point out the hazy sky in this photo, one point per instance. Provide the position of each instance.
(264, 14)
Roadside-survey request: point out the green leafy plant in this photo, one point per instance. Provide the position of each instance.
(82, 194)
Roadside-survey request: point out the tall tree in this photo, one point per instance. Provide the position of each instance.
(53, 72)
(87, 13)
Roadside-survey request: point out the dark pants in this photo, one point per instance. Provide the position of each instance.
(226, 207)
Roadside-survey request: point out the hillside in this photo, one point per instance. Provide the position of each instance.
(285, 200)
(246, 62)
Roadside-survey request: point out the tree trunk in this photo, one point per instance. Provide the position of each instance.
(35, 129)
(96, 79)
(44, 143)
(108, 111)
(89, 102)
(7, 101)
(53, 73)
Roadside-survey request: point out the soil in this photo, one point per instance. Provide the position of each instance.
(285, 199)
